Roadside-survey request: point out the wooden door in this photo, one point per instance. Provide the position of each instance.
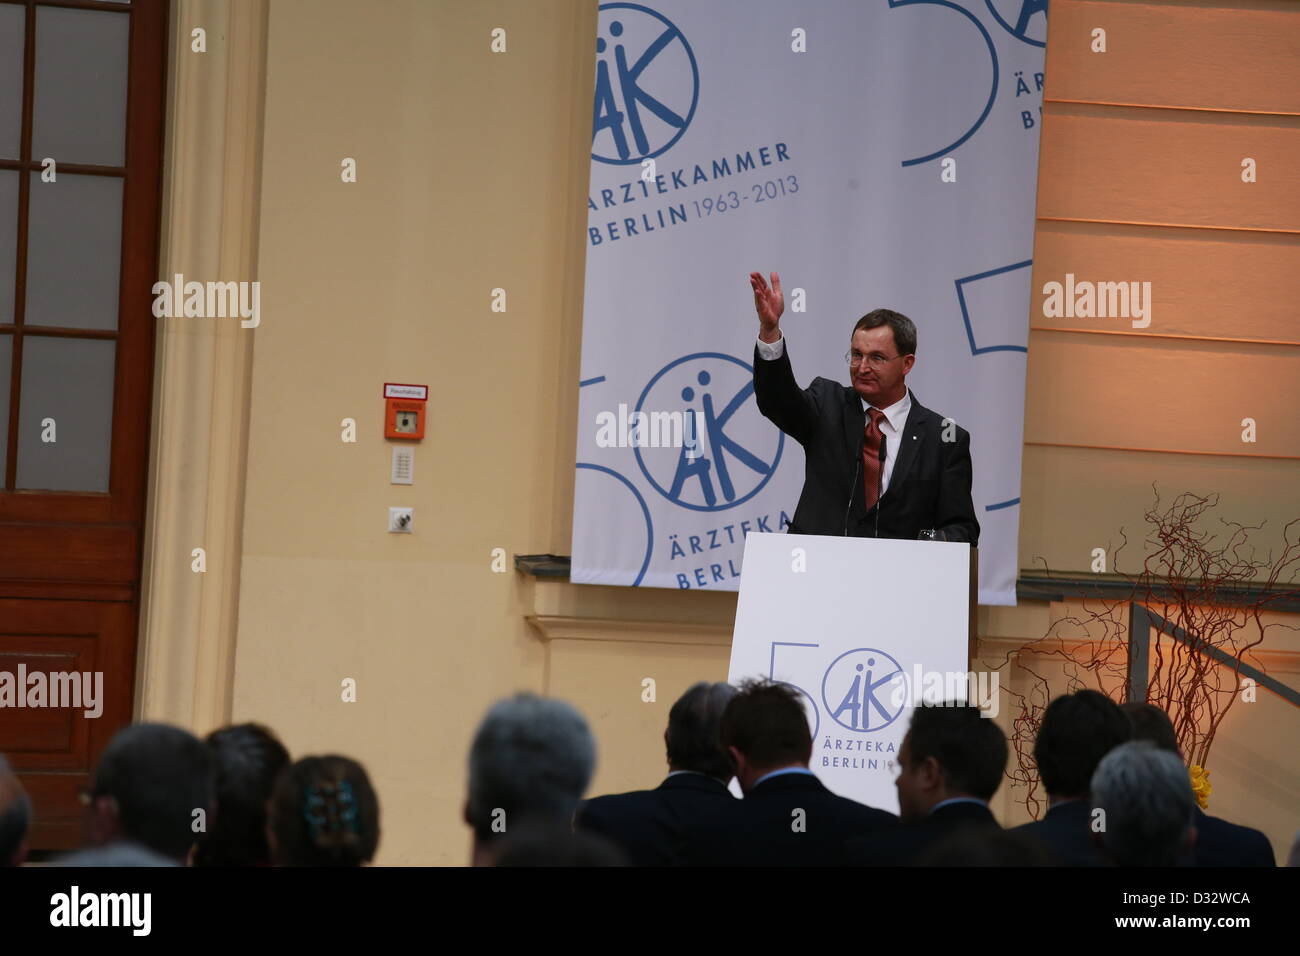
(81, 131)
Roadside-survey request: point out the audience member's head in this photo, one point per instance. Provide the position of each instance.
(763, 729)
(1151, 723)
(950, 750)
(1145, 799)
(323, 812)
(531, 761)
(554, 844)
(692, 735)
(986, 846)
(1077, 730)
(248, 758)
(148, 788)
(15, 817)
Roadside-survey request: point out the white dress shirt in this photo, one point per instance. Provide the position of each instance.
(892, 426)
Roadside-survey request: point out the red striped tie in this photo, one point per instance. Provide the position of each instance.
(871, 463)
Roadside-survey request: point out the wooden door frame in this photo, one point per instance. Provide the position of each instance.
(202, 377)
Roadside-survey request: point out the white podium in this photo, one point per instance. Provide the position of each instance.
(864, 629)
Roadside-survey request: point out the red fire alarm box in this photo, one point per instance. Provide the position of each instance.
(404, 411)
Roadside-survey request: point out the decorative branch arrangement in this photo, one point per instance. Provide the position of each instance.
(1212, 585)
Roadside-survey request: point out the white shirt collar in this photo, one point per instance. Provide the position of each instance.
(895, 414)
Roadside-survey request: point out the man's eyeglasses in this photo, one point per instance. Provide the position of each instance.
(875, 359)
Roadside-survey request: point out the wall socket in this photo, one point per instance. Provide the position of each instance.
(400, 520)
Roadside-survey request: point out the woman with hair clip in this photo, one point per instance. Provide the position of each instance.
(323, 812)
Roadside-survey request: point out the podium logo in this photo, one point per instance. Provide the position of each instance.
(729, 451)
(647, 84)
(858, 690)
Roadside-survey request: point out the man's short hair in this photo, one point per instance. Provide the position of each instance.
(904, 328)
(158, 775)
(970, 749)
(532, 758)
(692, 737)
(1151, 723)
(1147, 799)
(1077, 730)
(765, 721)
(15, 813)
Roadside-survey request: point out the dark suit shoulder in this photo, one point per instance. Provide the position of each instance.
(903, 844)
(827, 387)
(808, 793)
(1066, 833)
(611, 804)
(695, 781)
(873, 816)
(961, 814)
(1221, 843)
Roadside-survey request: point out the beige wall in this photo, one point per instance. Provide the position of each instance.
(469, 168)
(1140, 179)
(472, 173)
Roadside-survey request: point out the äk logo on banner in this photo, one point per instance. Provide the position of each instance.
(647, 85)
(716, 392)
(1018, 18)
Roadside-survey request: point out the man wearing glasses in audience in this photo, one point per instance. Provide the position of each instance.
(877, 462)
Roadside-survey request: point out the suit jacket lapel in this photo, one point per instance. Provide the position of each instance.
(913, 437)
(855, 423)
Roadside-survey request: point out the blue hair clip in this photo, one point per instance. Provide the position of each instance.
(317, 809)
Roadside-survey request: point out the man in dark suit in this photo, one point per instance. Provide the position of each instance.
(1218, 842)
(877, 462)
(1076, 731)
(950, 764)
(788, 818)
(647, 824)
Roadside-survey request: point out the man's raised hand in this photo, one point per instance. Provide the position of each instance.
(769, 303)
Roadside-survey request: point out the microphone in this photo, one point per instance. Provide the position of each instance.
(852, 487)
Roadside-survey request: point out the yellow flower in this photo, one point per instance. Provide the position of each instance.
(1201, 785)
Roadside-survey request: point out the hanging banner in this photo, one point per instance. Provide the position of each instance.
(874, 154)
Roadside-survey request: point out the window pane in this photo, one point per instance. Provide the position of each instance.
(79, 113)
(6, 363)
(8, 242)
(71, 382)
(11, 80)
(74, 232)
